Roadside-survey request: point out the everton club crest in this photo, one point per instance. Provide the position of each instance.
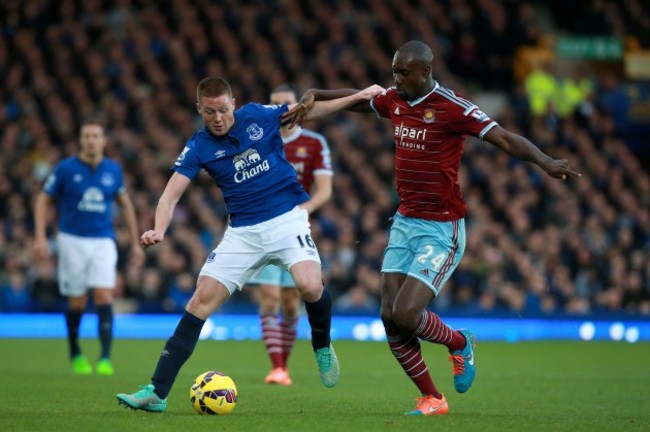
(255, 132)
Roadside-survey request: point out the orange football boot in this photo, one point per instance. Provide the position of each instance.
(278, 376)
(429, 405)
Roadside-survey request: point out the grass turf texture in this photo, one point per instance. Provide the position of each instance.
(541, 386)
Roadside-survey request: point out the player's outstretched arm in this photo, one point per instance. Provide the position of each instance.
(323, 100)
(521, 148)
(173, 191)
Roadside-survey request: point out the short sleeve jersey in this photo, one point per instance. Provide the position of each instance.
(247, 164)
(85, 196)
(309, 154)
(429, 135)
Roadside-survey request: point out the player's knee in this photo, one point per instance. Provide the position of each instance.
(386, 314)
(291, 305)
(269, 295)
(269, 302)
(311, 290)
(198, 308)
(77, 303)
(405, 319)
(103, 297)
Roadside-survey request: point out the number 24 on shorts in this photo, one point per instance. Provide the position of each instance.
(436, 261)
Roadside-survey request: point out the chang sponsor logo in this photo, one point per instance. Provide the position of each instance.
(249, 164)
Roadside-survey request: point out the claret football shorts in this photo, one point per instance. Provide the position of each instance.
(426, 250)
(284, 241)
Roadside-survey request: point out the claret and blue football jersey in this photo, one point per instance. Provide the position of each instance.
(85, 195)
(429, 135)
(248, 164)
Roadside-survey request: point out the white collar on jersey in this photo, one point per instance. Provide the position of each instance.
(294, 136)
(418, 100)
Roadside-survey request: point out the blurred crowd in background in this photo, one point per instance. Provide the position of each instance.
(535, 245)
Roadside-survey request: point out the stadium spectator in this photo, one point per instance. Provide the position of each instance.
(180, 293)
(14, 294)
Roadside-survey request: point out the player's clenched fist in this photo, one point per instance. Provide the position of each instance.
(151, 237)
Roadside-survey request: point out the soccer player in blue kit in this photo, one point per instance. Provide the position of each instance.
(85, 186)
(242, 150)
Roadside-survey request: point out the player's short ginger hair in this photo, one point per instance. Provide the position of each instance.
(212, 87)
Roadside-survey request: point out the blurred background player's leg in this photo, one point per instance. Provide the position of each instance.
(290, 318)
(104, 305)
(269, 290)
(73, 315)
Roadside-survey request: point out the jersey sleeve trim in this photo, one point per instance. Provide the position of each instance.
(486, 129)
(372, 105)
(469, 109)
(326, 172)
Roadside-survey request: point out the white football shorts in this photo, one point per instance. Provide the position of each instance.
(85, 262)
(284, 241)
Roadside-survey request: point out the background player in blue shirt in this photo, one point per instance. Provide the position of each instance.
(84, 187)
(243, 152)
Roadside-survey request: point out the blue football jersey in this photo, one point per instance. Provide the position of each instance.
(85, 196)
(247, 164)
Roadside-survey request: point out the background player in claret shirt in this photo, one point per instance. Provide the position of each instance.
(243, 152)
(427, 237)
(84, 187)
(309, 154)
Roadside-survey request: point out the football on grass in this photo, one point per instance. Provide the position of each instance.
(213, 392)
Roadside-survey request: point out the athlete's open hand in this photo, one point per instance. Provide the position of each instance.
(370, 92)
(297, 114)
(559, 168)
(151, 238)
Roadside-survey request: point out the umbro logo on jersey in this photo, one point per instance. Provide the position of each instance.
(425, 272)
(220, 153)
(396, 112)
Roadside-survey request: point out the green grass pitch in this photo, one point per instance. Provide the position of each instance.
(540, 386)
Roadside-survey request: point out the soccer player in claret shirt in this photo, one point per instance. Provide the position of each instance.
(427, 237)
(243, 152)
(309, 154)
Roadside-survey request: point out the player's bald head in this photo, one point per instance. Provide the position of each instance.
(412, 66)
(416, 51)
